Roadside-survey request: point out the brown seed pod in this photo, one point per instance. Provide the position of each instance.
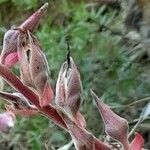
(38, 67)
(68, 88)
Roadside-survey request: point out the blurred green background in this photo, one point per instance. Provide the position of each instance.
(99, 56)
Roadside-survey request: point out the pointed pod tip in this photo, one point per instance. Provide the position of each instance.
(44, 7)
(93, 94)
(31, 23)
(95, 97)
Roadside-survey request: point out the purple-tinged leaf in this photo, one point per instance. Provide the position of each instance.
(115, 126)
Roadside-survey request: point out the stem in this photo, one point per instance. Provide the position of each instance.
(136, 120)
(131, 104)
(135, 127)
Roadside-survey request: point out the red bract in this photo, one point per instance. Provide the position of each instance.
(137, 143)
(34, 92)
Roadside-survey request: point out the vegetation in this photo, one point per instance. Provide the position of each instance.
(100, 57)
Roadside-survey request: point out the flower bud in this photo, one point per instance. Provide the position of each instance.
(7, 121)
(115, 126)
(38, 68)
(68, 89)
